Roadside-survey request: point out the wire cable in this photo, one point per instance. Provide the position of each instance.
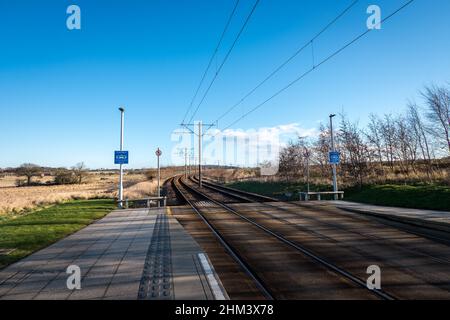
(225, 58)
(335, 53)
(296, 53)
(212, 58)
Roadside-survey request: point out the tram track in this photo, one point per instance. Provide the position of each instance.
(429, 266)
(323, 268)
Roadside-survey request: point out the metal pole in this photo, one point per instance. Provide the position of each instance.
(189, 164)
(195, 165)
(200, 154)
(122, 111)
(159, 177)
(307, 173)
(185, 163)
(335, 187)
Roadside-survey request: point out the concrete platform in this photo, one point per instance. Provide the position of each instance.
(439, 220)
(130, 254)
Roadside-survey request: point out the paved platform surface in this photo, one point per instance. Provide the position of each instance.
(427, 218)
(129, 254)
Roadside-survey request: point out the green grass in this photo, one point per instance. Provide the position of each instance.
(277, 189)
(42, 227)
(432, 197)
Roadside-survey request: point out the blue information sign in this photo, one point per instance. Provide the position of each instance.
(120, 157)
(335, 157)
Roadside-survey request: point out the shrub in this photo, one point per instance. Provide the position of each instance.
(21, 182)
(65, 177)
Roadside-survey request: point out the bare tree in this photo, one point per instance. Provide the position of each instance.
(291, 164)
(374, 135)
(438, 103)
(320, 150)
(29, 170)
(407, 145)
(418, 129)
(80, 171)
(354, 150)
(388, 133)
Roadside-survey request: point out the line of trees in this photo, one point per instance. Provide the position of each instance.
(414, 145)
(74, 175)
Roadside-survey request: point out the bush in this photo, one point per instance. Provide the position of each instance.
(65, 177)
(150, 174)
(21, 182)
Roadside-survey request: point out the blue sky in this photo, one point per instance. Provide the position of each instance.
(60, 89)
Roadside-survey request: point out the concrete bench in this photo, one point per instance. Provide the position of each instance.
(305, 196)
(148, 201)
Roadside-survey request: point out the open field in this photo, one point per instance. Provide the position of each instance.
(96, 185)
(25, 234)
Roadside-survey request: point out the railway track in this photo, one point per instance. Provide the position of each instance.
(435, 235)
(292, 208)
(335, 282)
(405, 256)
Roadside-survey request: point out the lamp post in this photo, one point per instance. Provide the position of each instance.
(333, 165)
(158, 154)
(307, 155)
(200, 154)
(122, 111)
(185, 163)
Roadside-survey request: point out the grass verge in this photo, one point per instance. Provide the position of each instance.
(279, 190)
(432, 197)
(38, 229)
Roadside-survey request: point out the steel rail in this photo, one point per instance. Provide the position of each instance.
(402, 226)
(258, 282)
(239, 193)
(378, 292)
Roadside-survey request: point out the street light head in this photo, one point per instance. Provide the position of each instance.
(121, 109)
(332, 115)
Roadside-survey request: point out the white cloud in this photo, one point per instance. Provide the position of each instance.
(246, 147)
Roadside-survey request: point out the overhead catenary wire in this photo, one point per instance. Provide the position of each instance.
(225, 59)
(335, 53)
(212, 58)
(287, 61)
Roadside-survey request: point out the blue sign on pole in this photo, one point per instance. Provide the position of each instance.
(335, 157)
(120, 157)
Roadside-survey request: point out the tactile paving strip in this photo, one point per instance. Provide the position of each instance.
(156, 282)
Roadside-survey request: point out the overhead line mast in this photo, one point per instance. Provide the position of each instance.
(200, 135)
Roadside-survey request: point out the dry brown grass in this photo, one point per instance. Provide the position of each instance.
(235, 174)
(10, 180)
(97, 185)
(141, 190)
